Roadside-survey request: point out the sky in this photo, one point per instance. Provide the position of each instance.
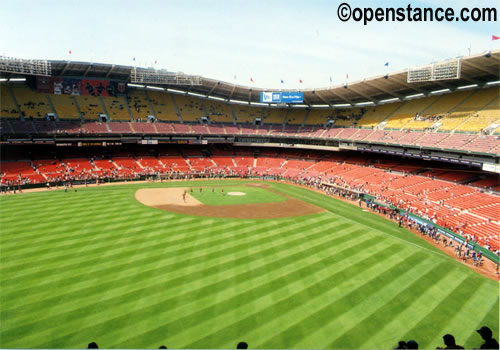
(234, 41)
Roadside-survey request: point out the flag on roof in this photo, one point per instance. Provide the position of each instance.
(347, 75)
(251, 79)
(133, 59)
(331, 80)
(494, 37)
(70, 52)
(156, 61)
(282, 81)
(300, 81)
(386, 64)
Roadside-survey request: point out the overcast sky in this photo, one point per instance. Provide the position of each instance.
(269, 40)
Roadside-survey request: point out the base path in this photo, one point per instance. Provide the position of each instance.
(170, 199)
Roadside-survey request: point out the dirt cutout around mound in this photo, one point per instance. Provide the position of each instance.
(170, 199)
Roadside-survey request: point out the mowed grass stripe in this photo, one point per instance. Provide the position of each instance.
(445, 310)
(153, 253)
(213, 289)
(96, 243)
(490, 319)
(460, 323)
(297, 298)
(248, 284)
(306, 240)
(394, 305)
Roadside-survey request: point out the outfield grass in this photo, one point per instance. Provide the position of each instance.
(96, 265)
(252, 195)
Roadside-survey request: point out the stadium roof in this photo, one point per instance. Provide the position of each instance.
(476, 71)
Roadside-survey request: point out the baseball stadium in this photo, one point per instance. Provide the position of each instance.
(142, 207)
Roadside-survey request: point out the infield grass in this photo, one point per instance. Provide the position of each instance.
(252, 195)
(96, 265)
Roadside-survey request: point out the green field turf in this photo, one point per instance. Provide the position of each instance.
(96, 265)
(217, 197)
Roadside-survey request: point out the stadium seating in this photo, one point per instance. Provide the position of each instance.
(375, 115)
(90, 107)
(190, 108)
(116, 107)
(474, 102)
(296, 116)
(402, 118)
(274, 115)
(139, 105)
(163, 105)
(31, 103)
(319, 116)
(245, 114)
(218, 112)
(8, 108)
(65, 106)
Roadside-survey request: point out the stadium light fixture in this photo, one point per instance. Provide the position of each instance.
(136, 85)
(195, 94)
(320, 106)
(3, 79)
(176, 91)
(493, 82)
(300, 106)
(393, 99)
(154, 88)
(414, 96)
(365, 103)
(342, 105)
(17, 79)
(467, 86)
(216, 98)
(440, 91)
(258, 104)
(239, 102)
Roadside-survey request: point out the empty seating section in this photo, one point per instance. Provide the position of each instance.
(190, 108)
(116, 107)
(456, 141)
(31, 103)
(403, 116)
(296, 116)
(319, 116)
(245, 114)
(139, 105)
(274, 115)
(65, 106)
(430, 139)
(440, 110)
(119, 127)
(375, 115)
(218, 112)
(90, 107)
(95, 128)
(470, 105)
(484, 144)
(163, 105)
(483, 118)
(8, 108)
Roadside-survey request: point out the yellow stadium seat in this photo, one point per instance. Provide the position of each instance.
(65, 106)
(163, 106)
(31, 103)
(218, 112)
(139, 105)
(190, 108)
(8, 108)
(116, 107)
